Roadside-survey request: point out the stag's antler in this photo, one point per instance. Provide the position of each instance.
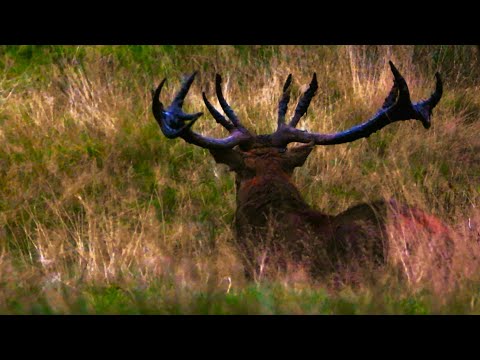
(397, 107)
(175, 123)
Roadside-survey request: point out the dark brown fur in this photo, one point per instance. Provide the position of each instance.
(272, 220)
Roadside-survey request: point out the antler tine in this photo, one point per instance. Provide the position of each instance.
(305, 101)
(437, 94)
(392, 97)
(219, 118)
(157, 106)
(180, 97)
(424, 108)
(223, 103)
(283, 104)
(401, 84)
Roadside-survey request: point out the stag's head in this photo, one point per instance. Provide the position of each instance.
(252, 156)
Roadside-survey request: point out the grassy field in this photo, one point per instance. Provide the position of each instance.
(99, 213)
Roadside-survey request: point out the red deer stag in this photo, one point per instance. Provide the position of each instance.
(271, 216)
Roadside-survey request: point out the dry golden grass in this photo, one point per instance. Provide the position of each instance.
(92, 195)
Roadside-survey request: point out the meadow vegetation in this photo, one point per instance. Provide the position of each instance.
(99, 213)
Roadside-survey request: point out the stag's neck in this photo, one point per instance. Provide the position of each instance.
(261, 197)
(271, 208)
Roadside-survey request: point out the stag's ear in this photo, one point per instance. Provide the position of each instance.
(230, 157)
(296, 157)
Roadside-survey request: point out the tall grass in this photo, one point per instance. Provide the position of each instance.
(100, 213)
